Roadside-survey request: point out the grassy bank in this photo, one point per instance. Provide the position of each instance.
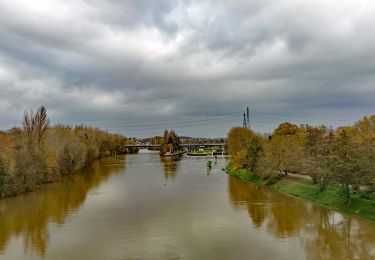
(333, 196)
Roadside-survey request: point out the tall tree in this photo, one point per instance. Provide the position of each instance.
(285, 148)
(316, 143)
(41, 123)
(35, 125)
(245, 148)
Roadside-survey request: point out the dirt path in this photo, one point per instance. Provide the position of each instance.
(300, 176)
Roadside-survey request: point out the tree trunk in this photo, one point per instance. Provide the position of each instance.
(347, 193)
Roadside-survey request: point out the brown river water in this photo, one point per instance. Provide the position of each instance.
(141, 206)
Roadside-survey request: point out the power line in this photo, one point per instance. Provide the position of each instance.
(297, 117)
(178, 124)
(258, 118)
(174, 122)
(142, 121)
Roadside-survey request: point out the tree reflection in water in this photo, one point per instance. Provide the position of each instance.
(28, 215)
(326, 234)
(171, 164)
(319, 232)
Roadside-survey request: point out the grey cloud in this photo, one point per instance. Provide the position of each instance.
(129, 61)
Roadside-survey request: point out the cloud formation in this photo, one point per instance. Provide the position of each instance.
(138, 66)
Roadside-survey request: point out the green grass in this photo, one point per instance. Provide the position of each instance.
(247, 176)
(361, 207)
(273, 179)
(333, 196)
(243, 174)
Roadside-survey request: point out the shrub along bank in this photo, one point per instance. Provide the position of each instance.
(340, 162)
(38, 153)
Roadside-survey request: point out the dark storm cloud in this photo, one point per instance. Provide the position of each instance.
(128, 62)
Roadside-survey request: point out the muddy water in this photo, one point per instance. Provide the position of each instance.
(144, 207)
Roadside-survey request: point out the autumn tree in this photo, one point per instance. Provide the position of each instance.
(286, 129)
(239, 139)
(30, 165)
(166, 136)
(38, 153)
(174, 140)
(284, 148)
(364, 136)
(171, 142)
(314, 151)
(344, 161)
(244, 147)
(30, 168)
(157, 140)
(352, 159)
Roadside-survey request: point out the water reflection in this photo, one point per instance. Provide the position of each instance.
(335, 236)
(208, 171)
(132, 215)
(325, 234)
(254, 198)
(28, 215)
(170, 164)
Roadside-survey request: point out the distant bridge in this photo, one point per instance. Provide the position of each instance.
(183, 145)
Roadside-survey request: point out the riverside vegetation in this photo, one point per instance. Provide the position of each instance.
(341, 163)
(171, 143)
(39, 153)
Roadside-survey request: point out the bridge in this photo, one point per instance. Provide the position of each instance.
(195, 145)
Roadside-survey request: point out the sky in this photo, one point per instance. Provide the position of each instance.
(138, 67)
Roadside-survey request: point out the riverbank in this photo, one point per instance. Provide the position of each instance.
(39, 153)
(4, 194)
(333, 196)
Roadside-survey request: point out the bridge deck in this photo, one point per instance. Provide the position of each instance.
(183, 145)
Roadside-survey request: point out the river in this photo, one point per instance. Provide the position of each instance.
(141, 206)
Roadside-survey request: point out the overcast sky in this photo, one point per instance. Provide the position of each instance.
(136, 67)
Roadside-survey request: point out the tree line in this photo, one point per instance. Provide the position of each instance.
(343, 156)
(39, 153)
